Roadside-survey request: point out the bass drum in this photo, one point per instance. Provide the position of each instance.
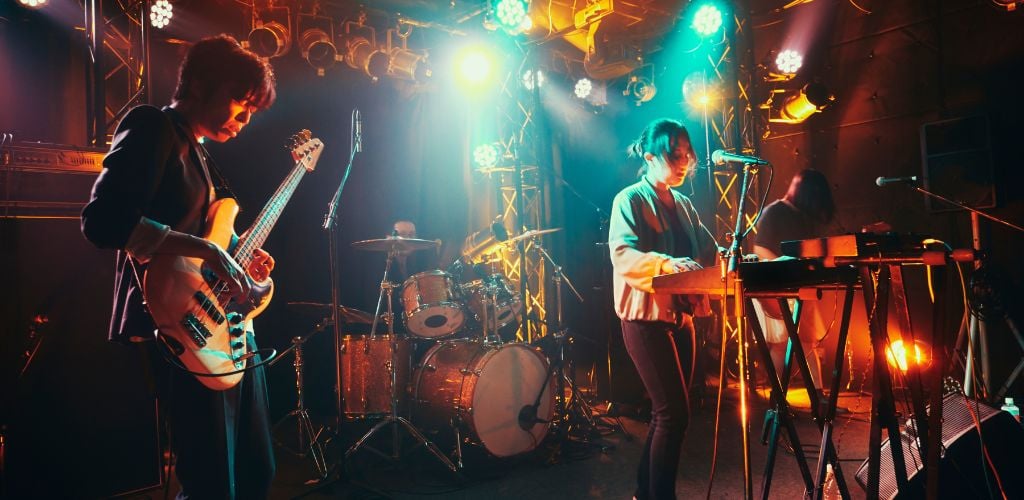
(490, 390)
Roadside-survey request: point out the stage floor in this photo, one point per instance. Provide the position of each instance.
(604, 469)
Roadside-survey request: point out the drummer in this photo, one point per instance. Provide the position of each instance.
(410, 262)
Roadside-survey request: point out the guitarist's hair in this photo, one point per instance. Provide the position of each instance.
(220, 60)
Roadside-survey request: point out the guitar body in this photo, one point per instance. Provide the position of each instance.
(205, 332)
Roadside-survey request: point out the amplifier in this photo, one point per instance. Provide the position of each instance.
(40, 180)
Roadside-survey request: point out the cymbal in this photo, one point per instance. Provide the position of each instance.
(395, 243)
(348, 314)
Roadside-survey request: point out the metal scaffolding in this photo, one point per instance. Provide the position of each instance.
(520, 195)
(117, 70)
(734, 126)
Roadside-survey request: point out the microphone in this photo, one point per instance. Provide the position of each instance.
(882, 181)
(359, 131)
(528, 418)
(719, 157)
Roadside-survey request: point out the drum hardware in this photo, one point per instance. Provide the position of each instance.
(348, 314)
(574, 411)
(392, 418)
(307, 439)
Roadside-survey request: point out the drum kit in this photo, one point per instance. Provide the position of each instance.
(468, 386)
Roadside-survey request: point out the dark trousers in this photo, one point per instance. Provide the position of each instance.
(221, 438)
(652, 346)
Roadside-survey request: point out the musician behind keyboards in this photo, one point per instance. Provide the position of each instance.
(655, 230)
(806, 211)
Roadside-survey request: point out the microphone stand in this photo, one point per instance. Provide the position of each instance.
(733, 276)
(330, 225)
(976, 330)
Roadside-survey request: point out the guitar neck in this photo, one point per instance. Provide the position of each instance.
(268, 216)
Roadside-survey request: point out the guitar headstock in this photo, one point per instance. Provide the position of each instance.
(305, 149)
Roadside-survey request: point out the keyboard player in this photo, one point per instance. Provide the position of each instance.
(806, 211)
(655, 230)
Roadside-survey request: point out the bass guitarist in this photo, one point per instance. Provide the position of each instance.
(151, 199)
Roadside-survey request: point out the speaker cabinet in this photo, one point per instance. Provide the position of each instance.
(963, 470)
(80, 420)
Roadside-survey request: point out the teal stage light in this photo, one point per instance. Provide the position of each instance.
(707, 20)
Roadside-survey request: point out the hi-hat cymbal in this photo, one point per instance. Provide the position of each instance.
(348, 314)
(395, 243)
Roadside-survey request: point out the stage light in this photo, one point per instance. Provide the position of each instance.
(698, 92)
(160, 13)
(707, 20)
(510, 14)
(789, 61)
(583, 88)
(641, 89)
(408, 65)
(318, 50)
(270, 39)
(528, 79)
(898, 356)
(33, 4)
(362, 55)
(473, 66)
(812, 98)
(485, 156)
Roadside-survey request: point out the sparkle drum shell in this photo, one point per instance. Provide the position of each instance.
(431, 304)
(365, 375)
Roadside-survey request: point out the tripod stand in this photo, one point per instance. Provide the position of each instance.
(574, 412)
(392, 417)
(306, 438)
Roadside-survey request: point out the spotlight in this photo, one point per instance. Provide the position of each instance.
(33, 4)
(160, 13)
(899, 356)
(270, 39)
(789, 61)
(583, 88)
(473, 66)
(408, 65)
(707, 20)
(318, 50)
(698, 92)
(511, 14)
(812, 98)
(485, 156)
(528, 79)
(642, 89)
(362, 55)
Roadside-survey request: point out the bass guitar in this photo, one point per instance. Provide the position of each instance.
(194, 317)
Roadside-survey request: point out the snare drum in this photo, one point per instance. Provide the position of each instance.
(496, 290)
(490, 390)
(365, 377)
(432, 308)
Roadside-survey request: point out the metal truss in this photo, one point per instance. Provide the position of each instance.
(734, 127)
(118, 69)
(520, 196)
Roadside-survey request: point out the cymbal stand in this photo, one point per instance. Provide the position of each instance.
(386, 288)
(304, 430)
(576, 406)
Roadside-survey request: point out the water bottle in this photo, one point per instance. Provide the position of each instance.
(1011, 408)
(830, 489)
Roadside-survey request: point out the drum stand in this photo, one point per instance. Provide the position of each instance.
(576, 410)
(304, 430)
(386, 288)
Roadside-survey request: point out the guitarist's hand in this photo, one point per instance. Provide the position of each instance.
(228, 271)
(261, 266)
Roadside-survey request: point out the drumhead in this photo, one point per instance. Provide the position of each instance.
(510, 380)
